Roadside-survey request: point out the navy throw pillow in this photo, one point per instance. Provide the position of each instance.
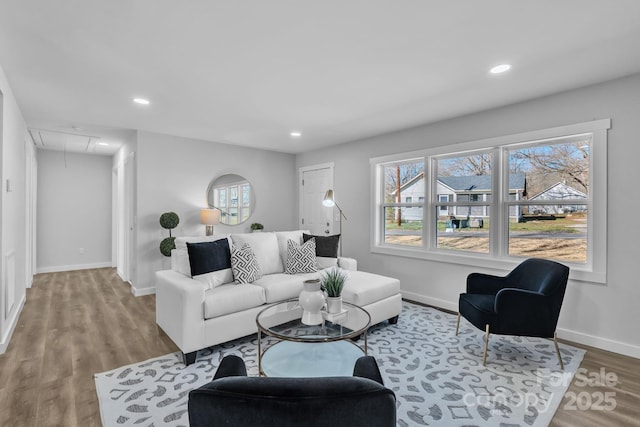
(205, 257)
(326, 246)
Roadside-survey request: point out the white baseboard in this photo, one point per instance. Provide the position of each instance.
(60, 268)
(569, 335)
(142, 291)
(436, 302)
(599, 342)
(4, 343)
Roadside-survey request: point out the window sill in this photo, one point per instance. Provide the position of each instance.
(577, 272)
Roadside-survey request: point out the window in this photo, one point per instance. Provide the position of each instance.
(497, 201)
(234, 209)
(403, 220)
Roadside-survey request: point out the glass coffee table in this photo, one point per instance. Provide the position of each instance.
(303, 350)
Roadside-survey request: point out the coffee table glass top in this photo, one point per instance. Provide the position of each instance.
(283, 320)
(310, 350)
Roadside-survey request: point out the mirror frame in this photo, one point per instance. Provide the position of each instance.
(231, 213)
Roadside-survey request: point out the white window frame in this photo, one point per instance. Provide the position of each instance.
(593, 270)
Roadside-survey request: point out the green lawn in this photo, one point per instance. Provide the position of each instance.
(568, 224)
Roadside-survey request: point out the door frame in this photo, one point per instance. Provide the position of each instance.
(301, 171)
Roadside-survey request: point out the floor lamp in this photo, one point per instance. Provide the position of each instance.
(330, 202)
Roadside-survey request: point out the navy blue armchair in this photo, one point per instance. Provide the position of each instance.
(233, 399)
(526, 302)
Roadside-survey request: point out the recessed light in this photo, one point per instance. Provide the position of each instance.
(295, 134)
(141, 101)
(500, 68)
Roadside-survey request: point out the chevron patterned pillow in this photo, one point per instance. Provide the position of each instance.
(301, 258)
(244, 265)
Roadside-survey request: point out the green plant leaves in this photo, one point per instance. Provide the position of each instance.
(169, 220)
(166, 245)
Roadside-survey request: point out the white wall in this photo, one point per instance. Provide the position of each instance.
(605, 316)
(173, 175)
(74, 211)
(13, 241)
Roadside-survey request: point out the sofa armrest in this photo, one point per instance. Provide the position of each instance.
(348, 263)
(180, 309)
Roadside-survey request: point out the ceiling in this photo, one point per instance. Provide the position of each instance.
(250, 72)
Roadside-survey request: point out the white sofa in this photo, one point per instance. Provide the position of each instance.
(196, 316)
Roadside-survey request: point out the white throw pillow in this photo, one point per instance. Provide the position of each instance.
(301, 258)
(265, 247)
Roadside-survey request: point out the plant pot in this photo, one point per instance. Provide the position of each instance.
(311, 301)
(334, 305)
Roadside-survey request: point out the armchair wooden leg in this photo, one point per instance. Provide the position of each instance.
(486, 347)
(458, 324)
(555, 341)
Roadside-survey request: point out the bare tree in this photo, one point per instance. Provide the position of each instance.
(395, 176)
(477, 164)
(549, 164)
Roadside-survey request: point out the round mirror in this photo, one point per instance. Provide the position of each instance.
(233, 196)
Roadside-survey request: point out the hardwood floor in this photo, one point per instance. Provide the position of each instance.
(74, 324)
(78, 323)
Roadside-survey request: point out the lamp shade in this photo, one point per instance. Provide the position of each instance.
(328, 199)
(209, 216)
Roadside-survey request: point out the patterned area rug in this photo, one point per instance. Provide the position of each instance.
(438, 378)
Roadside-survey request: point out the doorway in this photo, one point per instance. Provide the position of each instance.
(314, 182)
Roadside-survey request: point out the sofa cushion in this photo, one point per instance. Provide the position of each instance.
(210, 262)
(301, 258)
(265, 247)
(326, 249)
(362, 288)
(181, 242)
(245, 265)
(279, 287)
(180, 261)
(231, 298)
(283, 237)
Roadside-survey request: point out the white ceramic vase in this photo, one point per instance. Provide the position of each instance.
(334, 305)
(311, 301)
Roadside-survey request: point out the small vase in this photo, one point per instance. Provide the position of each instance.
(311, 301)
(334, 305)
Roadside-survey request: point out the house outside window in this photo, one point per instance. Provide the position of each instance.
(402, 182)
(528, 195)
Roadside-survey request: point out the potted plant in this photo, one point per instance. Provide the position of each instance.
(332, 282)
(256, 227)
(168, 221)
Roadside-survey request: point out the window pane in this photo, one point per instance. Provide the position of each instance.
(465, 178)
(403, 226)
(246, 195)
(463, 233)
(556, 170)
(233, 196)
(403, 180)
(233, 216)
(561, 237)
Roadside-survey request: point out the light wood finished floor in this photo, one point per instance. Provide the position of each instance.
(75, 324)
